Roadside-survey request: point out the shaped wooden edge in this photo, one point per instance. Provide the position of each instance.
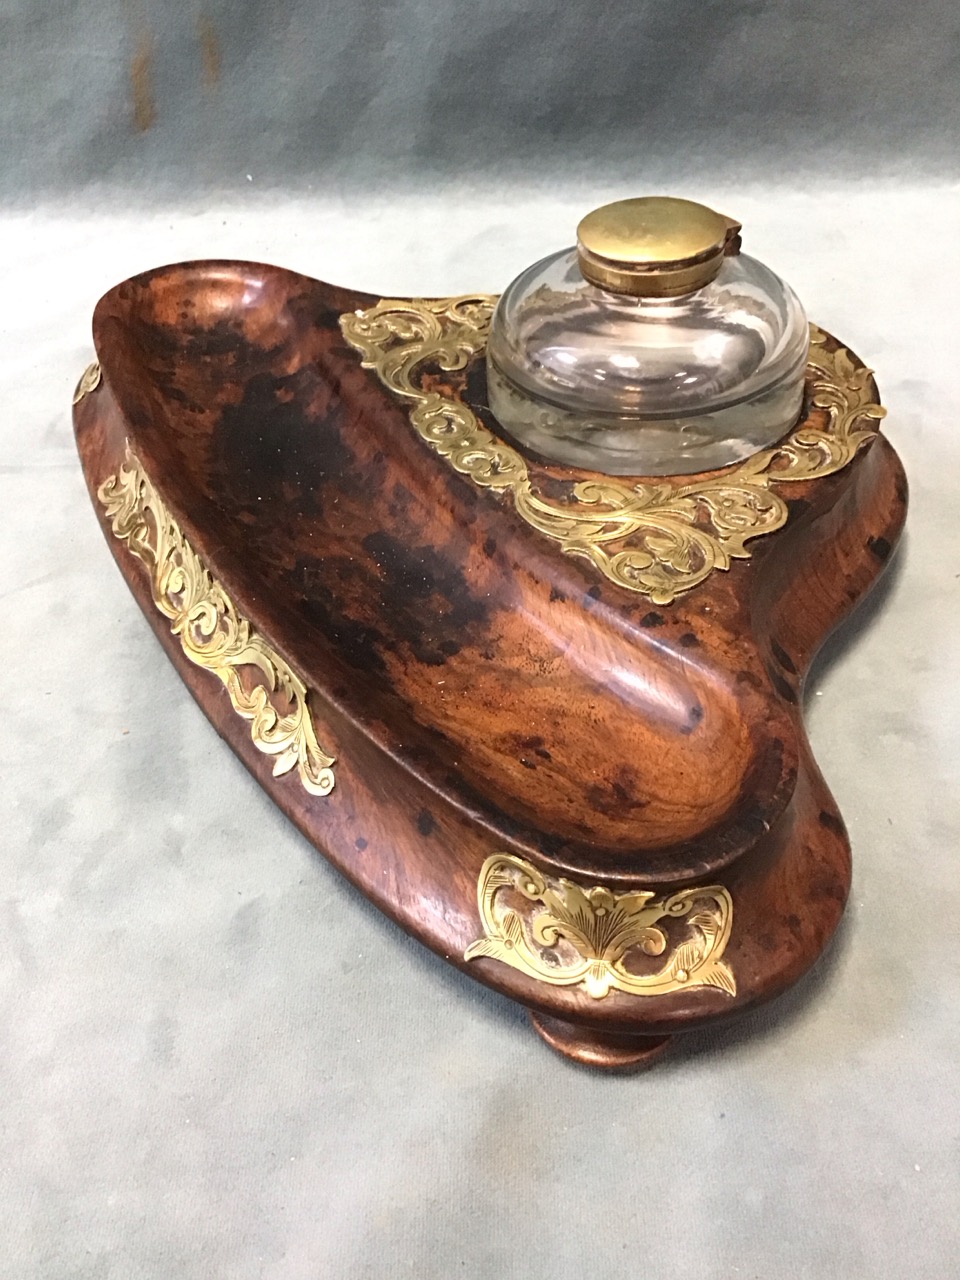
(428, 865)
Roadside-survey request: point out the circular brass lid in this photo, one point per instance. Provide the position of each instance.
(654, 246)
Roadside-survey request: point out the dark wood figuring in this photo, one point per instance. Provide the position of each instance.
(480, 691)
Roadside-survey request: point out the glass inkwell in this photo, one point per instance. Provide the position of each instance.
(653, 347)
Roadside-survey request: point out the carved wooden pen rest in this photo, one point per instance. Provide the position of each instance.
(547, 721)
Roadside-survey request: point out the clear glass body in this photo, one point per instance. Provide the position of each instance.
(647, 386)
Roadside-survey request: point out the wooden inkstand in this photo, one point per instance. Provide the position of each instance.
(529, 675)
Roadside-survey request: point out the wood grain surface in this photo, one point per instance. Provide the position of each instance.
(480, 691)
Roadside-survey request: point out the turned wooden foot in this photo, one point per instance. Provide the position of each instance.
(607, 1050)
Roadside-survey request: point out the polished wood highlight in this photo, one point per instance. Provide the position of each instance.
(604, 1049)
(481, 693)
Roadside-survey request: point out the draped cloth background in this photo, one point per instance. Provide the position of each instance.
(215, 1058)
(148, 98)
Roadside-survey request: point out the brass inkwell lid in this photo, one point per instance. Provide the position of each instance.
(654, 246)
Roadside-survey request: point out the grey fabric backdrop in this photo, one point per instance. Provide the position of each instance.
(215, 1059)
(167, 97)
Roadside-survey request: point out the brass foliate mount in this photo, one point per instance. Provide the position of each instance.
(214, 635)
(89, 381)
(562, 934)
(659, 538)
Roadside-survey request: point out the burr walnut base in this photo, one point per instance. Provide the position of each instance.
(549, 723)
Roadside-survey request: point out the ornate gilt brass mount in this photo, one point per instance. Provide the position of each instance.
(89, 381)
(657, 538)
(561, 934)
(213, 633)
